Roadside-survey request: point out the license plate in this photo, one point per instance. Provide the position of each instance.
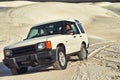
(25, 62)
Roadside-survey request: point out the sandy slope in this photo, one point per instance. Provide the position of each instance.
(15, 3)
(114, 7)
(41, 12)
(101, 21)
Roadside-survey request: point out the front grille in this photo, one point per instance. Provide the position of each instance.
(25, 50)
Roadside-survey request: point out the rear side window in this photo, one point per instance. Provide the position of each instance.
(81, 28)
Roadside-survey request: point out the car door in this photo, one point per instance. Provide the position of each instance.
(82, 33)
(77, 37)
(72, 41)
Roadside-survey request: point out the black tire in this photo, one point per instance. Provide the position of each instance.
(82, 54)
(15, 71)
(61, 62)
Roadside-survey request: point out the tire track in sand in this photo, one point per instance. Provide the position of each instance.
(85, 75)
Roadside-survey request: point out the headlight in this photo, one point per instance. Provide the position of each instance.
(41, 46)
(7, 52)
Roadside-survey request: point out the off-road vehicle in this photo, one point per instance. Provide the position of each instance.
(47, 44)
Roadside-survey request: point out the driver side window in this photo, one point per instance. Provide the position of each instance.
(74, 28)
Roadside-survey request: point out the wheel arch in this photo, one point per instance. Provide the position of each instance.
(84, 43)
(62, 45)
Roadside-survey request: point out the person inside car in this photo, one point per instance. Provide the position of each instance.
(68, 29)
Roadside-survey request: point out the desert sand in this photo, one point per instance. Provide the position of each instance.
(101, 21)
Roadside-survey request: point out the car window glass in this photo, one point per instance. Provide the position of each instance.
(50, 28)
(42, 32)
(55, 28)
(74, 28)
(58, 29)
(46, 29)
(81, 28)
(33, 33)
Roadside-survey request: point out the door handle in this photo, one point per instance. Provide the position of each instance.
(80, 35)
(74, 36)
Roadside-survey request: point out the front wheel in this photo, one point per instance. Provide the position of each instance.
(61, 62)
(82, 54)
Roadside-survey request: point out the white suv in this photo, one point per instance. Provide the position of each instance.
(48, 44)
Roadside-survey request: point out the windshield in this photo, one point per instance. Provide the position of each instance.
(44, 30)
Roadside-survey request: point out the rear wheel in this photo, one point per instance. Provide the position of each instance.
(82, 54)
(18, 71)
(61, 62)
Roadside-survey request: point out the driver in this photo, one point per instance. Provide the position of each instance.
(68, 29)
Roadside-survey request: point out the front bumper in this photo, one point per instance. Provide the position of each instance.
(39, 58)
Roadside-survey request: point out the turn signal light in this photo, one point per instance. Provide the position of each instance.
(48, 44)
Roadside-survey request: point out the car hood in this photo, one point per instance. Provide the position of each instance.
(30, 41)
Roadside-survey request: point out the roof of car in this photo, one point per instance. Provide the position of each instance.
(71, 20)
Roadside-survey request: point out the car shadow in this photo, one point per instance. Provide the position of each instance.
(4, 71)
(39, 69)
(74, 60)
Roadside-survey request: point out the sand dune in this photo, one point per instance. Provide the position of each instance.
(101, 21)
(105, 27)
(102, 4)
(40, 12)
(15, 3)
(114, 7)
